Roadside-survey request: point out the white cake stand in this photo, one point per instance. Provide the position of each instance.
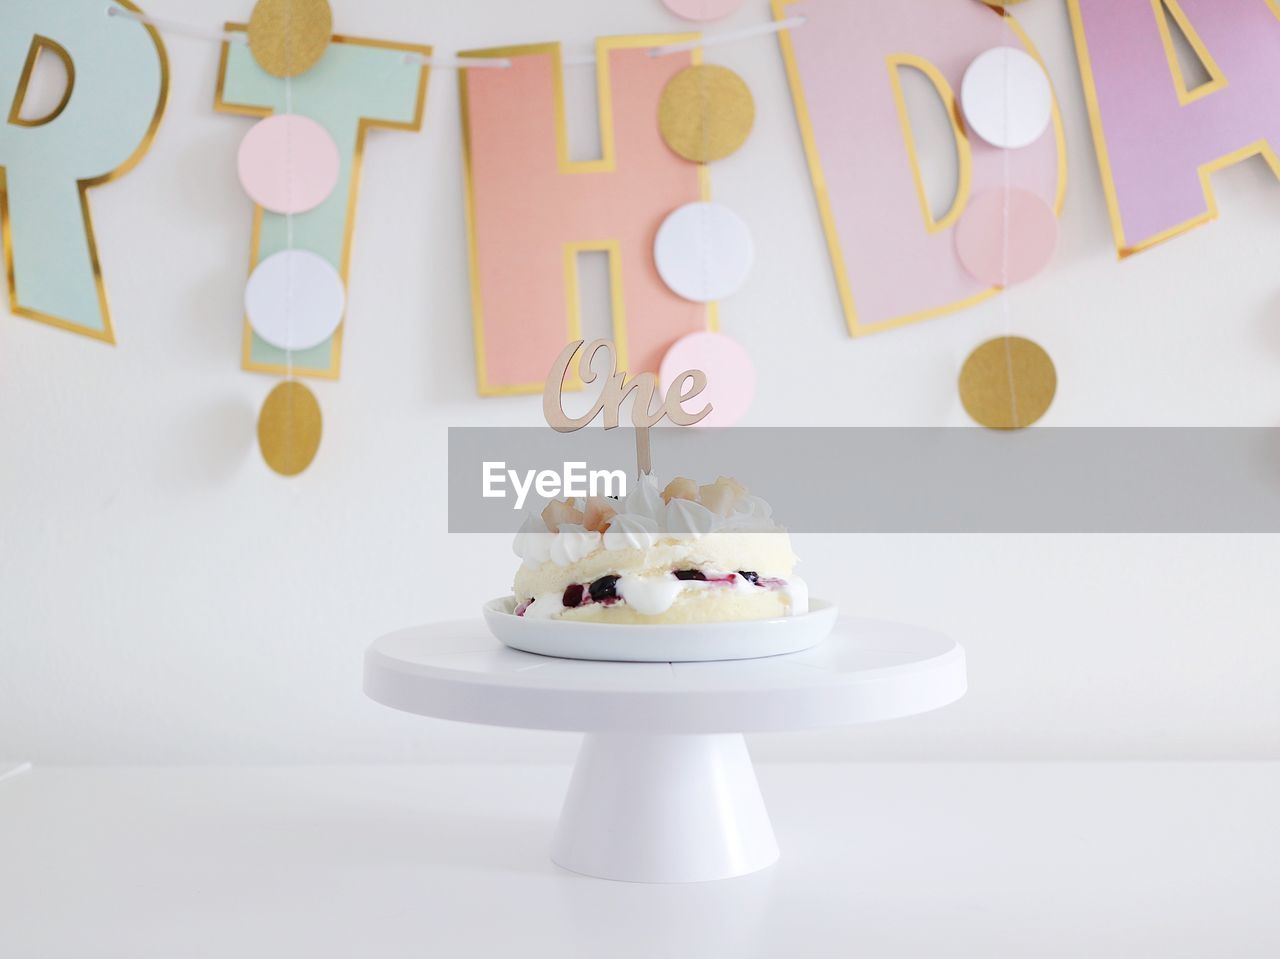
(664, 790)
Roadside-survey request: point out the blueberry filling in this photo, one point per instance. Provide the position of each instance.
(606, 587)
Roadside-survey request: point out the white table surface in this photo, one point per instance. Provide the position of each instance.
(879, 860)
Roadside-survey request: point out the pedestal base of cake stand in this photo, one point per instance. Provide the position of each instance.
(664, 790)
(664, 808)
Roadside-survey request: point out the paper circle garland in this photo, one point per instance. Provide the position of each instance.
(703, 251)
(702, 10)
(288, 163)
(288, 37)
(289, 427)
(731, 376)
(705, 113)
(1006, 97)
(1007, 383)
(991, 256)
(294, 299)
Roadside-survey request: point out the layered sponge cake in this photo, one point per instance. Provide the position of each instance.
(683, 554)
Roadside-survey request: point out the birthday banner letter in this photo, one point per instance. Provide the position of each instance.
(117, 80)
(531, 210)
(895, 263)
(357, 85)
(1158, 137)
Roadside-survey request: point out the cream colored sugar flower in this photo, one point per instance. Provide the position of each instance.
(680, 488)
(719, 497)
(599, 513)
(739, 491)
(560, 512)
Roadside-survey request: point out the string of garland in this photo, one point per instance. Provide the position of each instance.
(295, 299)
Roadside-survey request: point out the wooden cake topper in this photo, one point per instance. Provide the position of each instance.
(684, 387)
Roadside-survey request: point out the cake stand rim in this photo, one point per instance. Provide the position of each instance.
(481, 681)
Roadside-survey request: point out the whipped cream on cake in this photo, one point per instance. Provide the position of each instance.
(685, 553)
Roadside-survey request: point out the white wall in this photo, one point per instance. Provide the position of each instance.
(164, 597)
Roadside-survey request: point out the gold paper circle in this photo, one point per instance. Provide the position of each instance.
(288, 37)
(289, 428)
(1007, 383)
(706, 113)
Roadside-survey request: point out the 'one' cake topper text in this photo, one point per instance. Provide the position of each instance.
(686, 386)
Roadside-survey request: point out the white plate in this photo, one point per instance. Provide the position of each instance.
(660, 642)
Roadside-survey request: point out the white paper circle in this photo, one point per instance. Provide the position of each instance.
(1006, 98)
(294, 299)
(703, 251)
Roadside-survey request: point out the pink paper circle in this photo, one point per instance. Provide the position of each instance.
(731, 376)
(288, 163)
(702, 10)
(980, 236)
